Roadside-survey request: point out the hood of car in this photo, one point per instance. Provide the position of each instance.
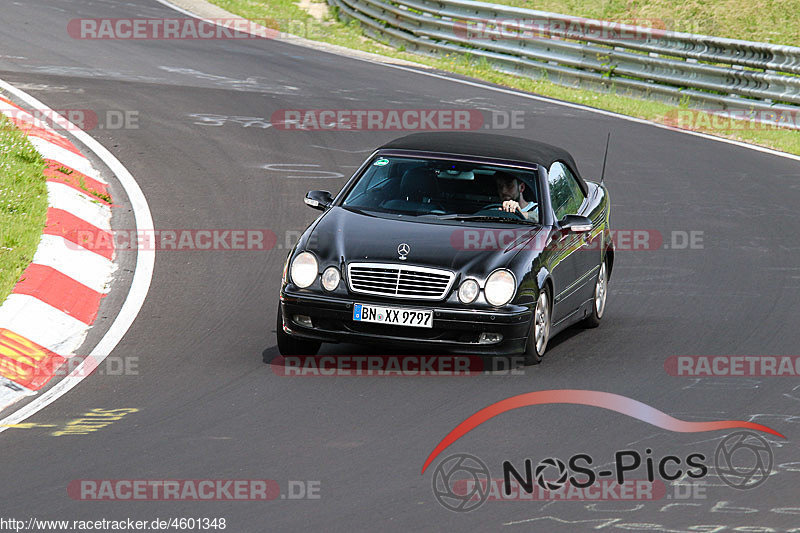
(356, 236)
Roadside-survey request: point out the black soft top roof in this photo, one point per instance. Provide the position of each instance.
(487, 145)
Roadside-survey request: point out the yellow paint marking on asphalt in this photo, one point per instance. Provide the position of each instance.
(94, 420)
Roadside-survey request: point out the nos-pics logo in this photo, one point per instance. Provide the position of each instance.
(461, 482)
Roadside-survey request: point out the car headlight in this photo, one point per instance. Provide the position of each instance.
(500, 287)
(304, 269)
(330, 278)
(468, 291)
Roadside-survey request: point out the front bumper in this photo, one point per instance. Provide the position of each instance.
(454, 330)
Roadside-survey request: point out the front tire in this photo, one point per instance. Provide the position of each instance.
(288, 345)
(536, 344)
(600, 297)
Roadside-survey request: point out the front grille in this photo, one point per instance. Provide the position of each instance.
(399, 281)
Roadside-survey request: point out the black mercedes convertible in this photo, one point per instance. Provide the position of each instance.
(468, 243)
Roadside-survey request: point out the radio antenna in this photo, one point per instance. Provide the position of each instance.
(605, 158)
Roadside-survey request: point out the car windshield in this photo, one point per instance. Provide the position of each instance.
(446, 190)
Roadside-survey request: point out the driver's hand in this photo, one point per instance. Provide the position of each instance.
(510, 205)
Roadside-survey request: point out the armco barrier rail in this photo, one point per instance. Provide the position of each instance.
(646, 62)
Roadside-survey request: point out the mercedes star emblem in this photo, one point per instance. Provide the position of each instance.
(403, 250)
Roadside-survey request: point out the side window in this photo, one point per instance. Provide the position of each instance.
(565, 193)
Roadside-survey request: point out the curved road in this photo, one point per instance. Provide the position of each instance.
(209, 407)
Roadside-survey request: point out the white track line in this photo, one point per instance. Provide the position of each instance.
(142, 276)
(512, 92)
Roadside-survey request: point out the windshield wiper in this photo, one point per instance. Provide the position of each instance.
(486, 218)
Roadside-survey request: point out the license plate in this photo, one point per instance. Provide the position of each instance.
(397, 316)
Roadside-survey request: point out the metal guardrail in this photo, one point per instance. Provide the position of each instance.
(644, 62)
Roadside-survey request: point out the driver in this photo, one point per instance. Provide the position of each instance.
(510, 190)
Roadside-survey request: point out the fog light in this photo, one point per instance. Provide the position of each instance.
(490, 338)
(330, 278)
(303, 320)
(468, 291)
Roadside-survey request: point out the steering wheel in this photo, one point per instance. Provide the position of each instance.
(491, 207)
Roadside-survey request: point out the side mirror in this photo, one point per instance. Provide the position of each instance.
(318, 199)
(575, 224)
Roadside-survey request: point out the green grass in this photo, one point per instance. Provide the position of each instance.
(288, 17)
(23, 204)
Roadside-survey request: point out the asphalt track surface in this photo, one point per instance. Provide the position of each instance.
(209, 407)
